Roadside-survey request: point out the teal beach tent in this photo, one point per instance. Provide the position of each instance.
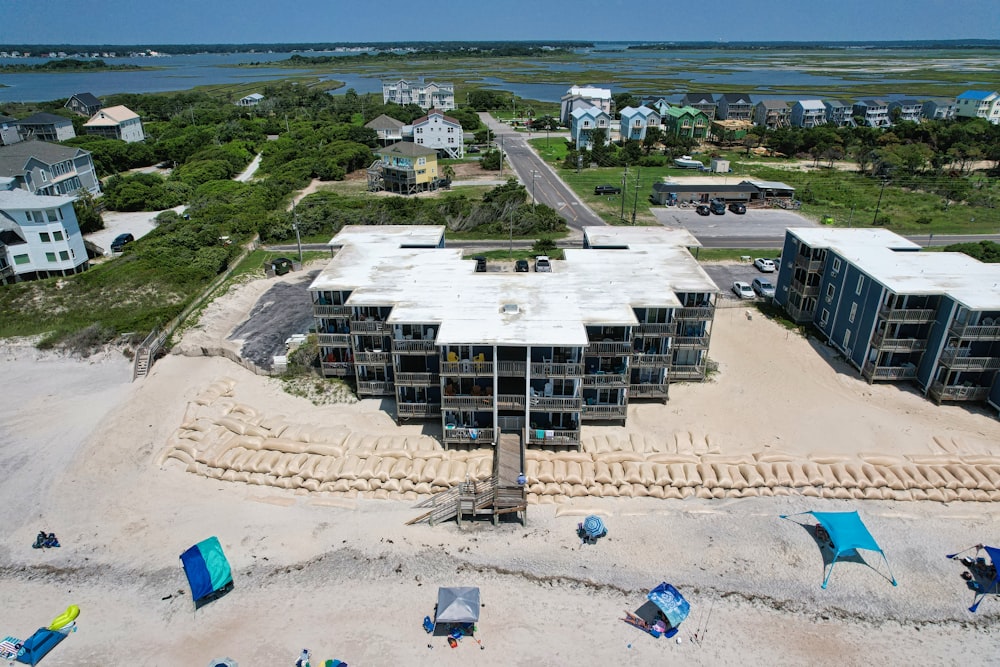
(847, 534)
(208, 571)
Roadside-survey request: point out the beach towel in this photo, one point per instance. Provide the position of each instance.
(9, 647)
(540, 434)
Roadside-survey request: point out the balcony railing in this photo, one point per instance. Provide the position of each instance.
(609, 348)
(511, 368)
(941, 392)
(799, 314)
(873, 372)
(694, 313)
(322, 310)
(604, 380)
(460, 435)
(647, 360)
(418, 409)
(970, 332)
(805, 290)
(687, 372)
(358, 326)
(557, 403)
(335, 340)
(558, 438)
(689, 341)
(647, 390)
(467, 402)
(659, 329)
(911, 315)
(599, 412)
(899, 344)
(371, 358)
(402, 346)
(959, 361)
(375, 388)
(808, 264)
(337, 369)
(511, 401)
(416, 379)
(556, 370)
(469, 368)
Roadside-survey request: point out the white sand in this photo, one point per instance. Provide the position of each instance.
(345, 578)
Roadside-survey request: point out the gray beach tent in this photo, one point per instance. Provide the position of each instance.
(457, 604)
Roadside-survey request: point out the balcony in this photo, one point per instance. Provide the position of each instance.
(959, 362)
(689, 341)
(416, 379)
(371, 358)
(375, 388)
(657, 329)
(609, 348)
(334, 340)
(809, 264)
(604, 412)
(694, 313)
(941, 392)
(873, 372)
(544, 370)
(687, 372)
(969, 332)
(362, 326)
(899, 344)
(337, 369)
(799, 314)
(554, 438)
(465, 436)
(605, 380)
(556, 403)
(511, 368)
(467, 402)
(511, 401)
(805, 290)
(467, 368)
(402, 346)
(409, 410)
(647, 390)
(322, 310)
(651, 360)
(909, 315)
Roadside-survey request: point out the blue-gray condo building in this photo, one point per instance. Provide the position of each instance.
(897, 313)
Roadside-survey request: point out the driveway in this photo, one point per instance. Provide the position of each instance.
(724, 274)
(764, 228)
(138, 223)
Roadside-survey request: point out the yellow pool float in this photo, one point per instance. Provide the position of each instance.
(65, 618)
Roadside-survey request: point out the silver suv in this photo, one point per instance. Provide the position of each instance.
(542, 264)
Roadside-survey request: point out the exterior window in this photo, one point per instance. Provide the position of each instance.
(830, 291)
(854, 313)
(64, 255)
(836, 264)
(51, 215)
(420, 130)
(420, 141)
(45, 176)
(847, 339)
(861, 285)
(57, 236)
(44, 237)
(21, 259)
(825, 317)
(421, 161)
(50, 257)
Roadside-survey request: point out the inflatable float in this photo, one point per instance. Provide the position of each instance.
(65, 618)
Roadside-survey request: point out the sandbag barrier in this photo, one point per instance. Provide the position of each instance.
(222, 439)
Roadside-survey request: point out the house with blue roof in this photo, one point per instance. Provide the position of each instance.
(583, 122)
(979, 104)
(634, 121)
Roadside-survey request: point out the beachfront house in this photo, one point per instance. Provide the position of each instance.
(808, 113)
(634, 121)
(429, 95)
(44, 126)
(39, 237)
(583, 122)
(772, 114)
(735, 106)
(251, 100)
(8, 131)
(907, 109)
(118, 122)
(895, 313)
(411, 320)
(388, 129)
(405, 168)
(979, 104)
(49, 169)
(940, 108)
(84, 104)
(685, 122)
(657, 104)
(584, 97)
(872, 113)
(437, 131)
(839, 113)
(703, 102)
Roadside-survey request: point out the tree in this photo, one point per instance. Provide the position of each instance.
(653, 136)
(490, 160)
(87, 215)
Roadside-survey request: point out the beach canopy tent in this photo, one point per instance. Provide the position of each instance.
(38, 645)
(457, 604)
(847, 534)
(207, 571)
(980, 567)
(669, 600)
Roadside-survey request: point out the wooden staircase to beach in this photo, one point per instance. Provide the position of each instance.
(496, 496)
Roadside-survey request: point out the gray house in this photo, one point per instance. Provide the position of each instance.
(772, 114)
(941, 108)
(839, 113)
(703, 102)
(735, 106)
(84, 104)
(8, 131)
(873, 113)
(808, 113)
(46, 127)
(908, 109)
(49, 169)
(388, 129)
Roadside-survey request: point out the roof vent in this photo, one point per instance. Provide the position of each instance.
(511, 309)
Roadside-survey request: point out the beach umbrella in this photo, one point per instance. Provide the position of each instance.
(593, 526)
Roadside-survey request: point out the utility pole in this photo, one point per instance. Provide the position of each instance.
(501, 155)
(624, 185)
(635, 201)
(295, 226)
(510, 252)
(879, 204)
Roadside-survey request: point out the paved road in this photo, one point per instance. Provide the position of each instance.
(548, 188)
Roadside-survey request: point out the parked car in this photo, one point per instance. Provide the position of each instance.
(763, 287)
(764, 265)
(122, 240)
(542, 264)
(743, 290)
(607, 190)
(703, 209)
(472, 149)
(738, 208)
(521, 266)
(717, 206)
(480, 264)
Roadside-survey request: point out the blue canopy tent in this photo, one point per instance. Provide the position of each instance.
(670, 601)
(983, 571)
(207, 571)
(847, 534)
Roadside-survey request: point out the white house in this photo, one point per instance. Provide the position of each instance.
(118, 122)
(430, 95)
(583, 122)
(251, 100)
(435, 130)
(39, 237)
(582, 97)
(808, 113)
(634, 121)
(979, 104)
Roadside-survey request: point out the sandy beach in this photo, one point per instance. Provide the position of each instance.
(87, 455)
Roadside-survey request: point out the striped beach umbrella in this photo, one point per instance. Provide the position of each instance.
(593, 526)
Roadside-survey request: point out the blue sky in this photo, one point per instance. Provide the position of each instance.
(261, 21)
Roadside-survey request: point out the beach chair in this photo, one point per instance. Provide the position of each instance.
(638, 622)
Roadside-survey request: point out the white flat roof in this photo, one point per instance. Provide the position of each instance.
(18, 199)
(590, 287)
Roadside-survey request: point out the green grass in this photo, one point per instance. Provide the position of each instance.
(478, 236)
(552, 150)
(731, 254)
(507, 255)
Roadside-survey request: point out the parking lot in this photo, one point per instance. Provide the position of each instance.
(762, 223)
(726, 273)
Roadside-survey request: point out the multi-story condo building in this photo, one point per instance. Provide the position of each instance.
(873, 113)
(735, 106)
(49, 169)
(808, 113)
(117, 122)
(46, 127)
(906, 109)
(39, 236)
(583, 122)
(941, 108)
(634, 121)
(703, 102)
(430, 95)
(895, 313)
(437, 131)
(772, 114)
(538, 354)
(839, 113)
(584, 97)
(979, 104)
